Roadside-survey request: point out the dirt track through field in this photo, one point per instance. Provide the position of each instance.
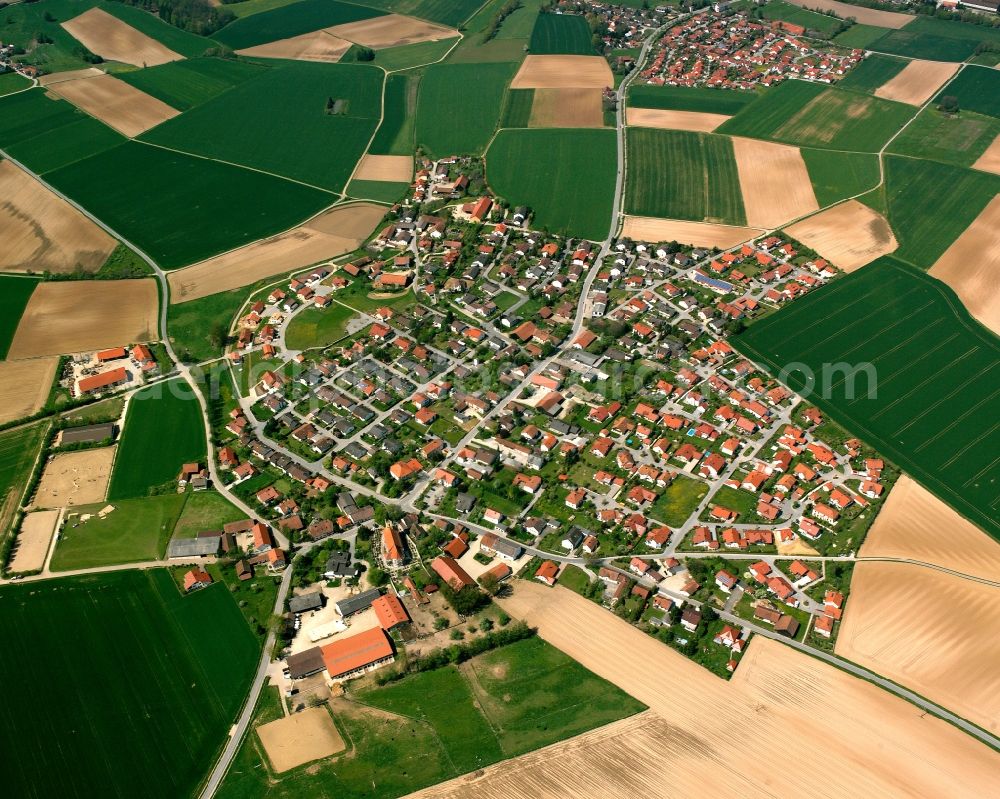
(75, 478)
(918, 81)
(563, 72)
(315, 46)
(391, 30)
(775, 183)
(41, 231)
(674, 120)
(396, 168)
(864, 16)
(698, 234)
(82, 315)
(734, 739)
(332, 233)
(971, 266)
(848, 235)
(24, 386)
(33, 540)
(300, 738)
(108, 36)
(566, 108)
(125, 108)
(934, 633)
(989, 161)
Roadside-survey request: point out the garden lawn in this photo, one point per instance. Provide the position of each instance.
(205, 510)
(561, 34)
(566, 177)
(836, 176)
(291, 20)
(141, 683)
(678, 501)
(137, 530)
(684, 98)
(14, 295)
(186, 84)
(395, 134)
(953, 138)
(163, 430)
(317, 327)
(181, 209)
(873, 72)
(977, 89)
(683, 175)
(296, 137)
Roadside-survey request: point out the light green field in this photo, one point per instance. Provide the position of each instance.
(205, 510)
(873, 72)
(317, 327)
(955, 139)
(836, 176)
(186, 84)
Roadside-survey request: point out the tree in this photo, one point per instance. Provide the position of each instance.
(365, 54)
(490, 583)
(949, 104)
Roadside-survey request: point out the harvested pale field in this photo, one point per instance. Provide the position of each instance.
(563, 72)
(332, 233)
(300, 738)
(916, 525)
(398, 168)
(674, 120)
(315, 46)
(848, 235)
(971, 266)
(24, 386)
(391, 30)
(108, 36)
(41, 231)
(774, 181)
(934, 633)
(75, 478)
(116, 103)
(567, 108)
(778, 693)
(73, 74)
(989, 161)
(33, 541)
(918, 81)
(697, 234)
(864, 16)
(80, 316)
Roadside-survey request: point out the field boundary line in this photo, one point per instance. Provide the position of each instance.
(906, 367)
(936, 403)
(955, 421)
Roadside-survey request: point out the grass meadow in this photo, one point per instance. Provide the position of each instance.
(935, 376)
(291, 20)
(14, 295)
(140, 684)
(684, 98)
(407, 56)
(936, 39)
(860, 36)
(953, 138)
(444, 12)
(566, 177)
(873, 72)
(163, 430)
(395, 134)
(561, 34)
(12, 82)
(977, 89)
(683, 175)
(18, 450)
(186, 84)
(318, 327)
(836, 176)
(474, 93)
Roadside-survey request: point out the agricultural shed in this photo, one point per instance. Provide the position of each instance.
(193, 547)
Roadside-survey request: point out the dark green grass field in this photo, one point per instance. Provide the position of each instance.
(395, 134)
(683, 175)
(561, 34)
(382, 191)
(278, 122)
(450, 721)
(185, 84)
(977, 89)
(135, 684)
(566, 177)
(873, 72)
(14, 295)
(163, 430)
(685, 98)
(936, 39)
(955, 139)
(66, 144)
(281, 23)
(936, 376)
(861, 36)
(445, 12)
(181, 209)
(809, 20)
(478, 90)
(811, 115)
(517, 112)
(12, 82)
(929, 204)
(836, 175)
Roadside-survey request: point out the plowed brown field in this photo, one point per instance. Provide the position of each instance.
(125, 108)
(108, 36)
(563, 72)
(698, 234)
(775, 184)
(918, 81)
(849, 235)
(674, 120)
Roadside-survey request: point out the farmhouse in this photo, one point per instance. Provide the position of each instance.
(390, 611)
(109, 379)
(358, 654)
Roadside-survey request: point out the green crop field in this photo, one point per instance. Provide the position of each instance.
(977, 89)
(561, 34)
(291, 20)
(929, 204)
(860, 36)
(383, 191)
(445, 12)
(18, 451)
(65, 144)
(518, 109)
(163, 430)
(835, 176)
(683, 175)
(955, 139)
(180, 41)
(510, 41)
(179, 208)
(937, 39)
(407, 56)
(296, 137)
(14, 295)
(195, 326)
(567, 177)
(809, 20)
(185, 84)
(873, 72)
(141, 684)
(808, 114)
(927, 380)
(684, 98)
(137, 530)
(450, 721)
(477, 89)
(12, 82)
(395, 134)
